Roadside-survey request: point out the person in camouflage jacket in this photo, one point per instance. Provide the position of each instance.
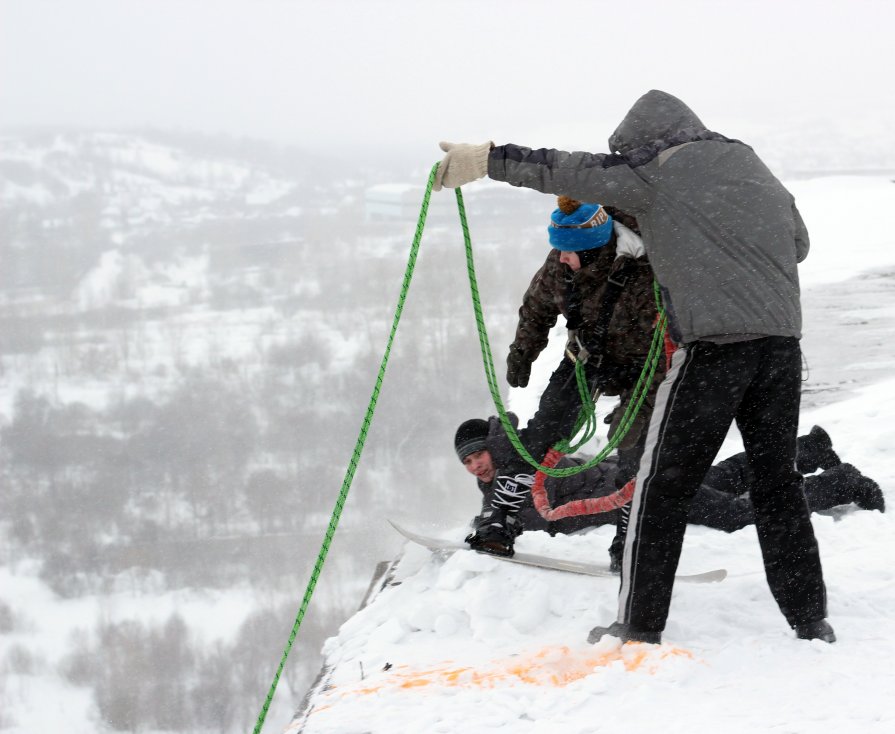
(580, 296)
(605, 293)
(615, 279)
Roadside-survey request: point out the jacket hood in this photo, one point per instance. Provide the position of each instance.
(656, 115)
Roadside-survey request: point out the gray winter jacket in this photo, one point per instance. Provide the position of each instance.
(722, 233)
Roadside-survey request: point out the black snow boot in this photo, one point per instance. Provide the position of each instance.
(626, 633)
(841, 485)
(815, 451)
(867, 494)
(819, 630)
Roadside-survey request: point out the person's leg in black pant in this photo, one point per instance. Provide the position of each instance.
(841, 485)
(720, 510)
(768, 421)
(733, 475)
(722, 501)
(694, 408)
(558, 408)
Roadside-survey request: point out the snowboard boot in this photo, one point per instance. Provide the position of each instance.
(841, 485)
(819, 630)
(626, 633)
(815, 451)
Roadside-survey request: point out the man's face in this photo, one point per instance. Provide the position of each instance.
(571, 259)
(481, 465)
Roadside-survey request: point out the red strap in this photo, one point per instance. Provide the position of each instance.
(670, 349)
(670, 346)
(590, 506)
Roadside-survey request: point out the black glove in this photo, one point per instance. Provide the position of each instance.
(518, 367)
(495, 533)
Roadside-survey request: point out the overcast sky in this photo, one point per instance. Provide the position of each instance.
(349, 76)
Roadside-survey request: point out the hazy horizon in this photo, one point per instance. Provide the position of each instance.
(353, 78)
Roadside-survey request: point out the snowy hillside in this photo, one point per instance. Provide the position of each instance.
(137, 177)
(189, 330)
(475, 644)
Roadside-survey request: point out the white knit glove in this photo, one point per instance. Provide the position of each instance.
(462, 164)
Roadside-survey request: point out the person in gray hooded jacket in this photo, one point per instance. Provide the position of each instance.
(724, 238)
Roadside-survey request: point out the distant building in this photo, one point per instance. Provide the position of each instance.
(391, 202)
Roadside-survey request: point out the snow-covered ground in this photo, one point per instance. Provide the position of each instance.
(473, 644)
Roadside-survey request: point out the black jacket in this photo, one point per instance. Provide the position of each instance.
(597, 481)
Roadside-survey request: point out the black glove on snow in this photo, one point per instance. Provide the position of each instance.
(495, 533)
(518, 367)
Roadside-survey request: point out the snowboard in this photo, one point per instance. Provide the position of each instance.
(546, 562)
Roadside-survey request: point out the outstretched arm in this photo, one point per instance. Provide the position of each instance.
(594, 177)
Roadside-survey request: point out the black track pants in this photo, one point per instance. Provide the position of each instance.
(756, 383)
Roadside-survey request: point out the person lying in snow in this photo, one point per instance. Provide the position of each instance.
(722, 501)
(598, 278)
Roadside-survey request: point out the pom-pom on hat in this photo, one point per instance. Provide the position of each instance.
(575, 226)
(470, 437)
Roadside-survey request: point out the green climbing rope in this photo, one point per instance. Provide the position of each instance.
(587, 416)
(358, 448)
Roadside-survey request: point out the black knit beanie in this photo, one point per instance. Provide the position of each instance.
(470, 437)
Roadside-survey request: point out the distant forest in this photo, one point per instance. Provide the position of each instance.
(190, 329)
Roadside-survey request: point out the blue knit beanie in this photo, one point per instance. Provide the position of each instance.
(575, 226)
